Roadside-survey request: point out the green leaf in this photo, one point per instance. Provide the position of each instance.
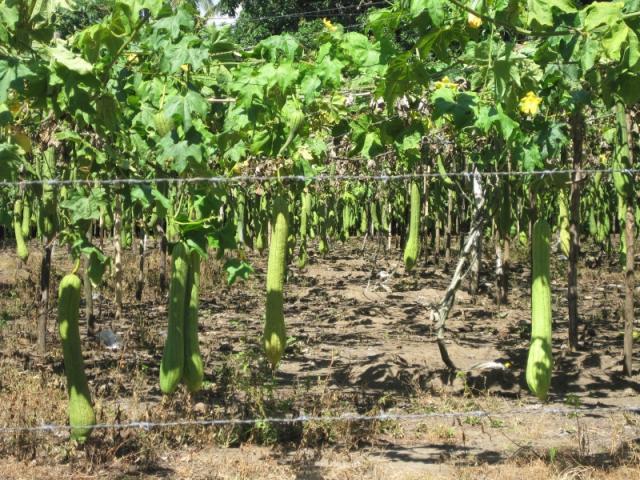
(371, 145)
(84, 207)
(161, 199)
(182, 108)
(69, 60)
(633, 49)
(410, 146)
(427, 42)
(5, 115)
(10, 161)
(95, 40)
(460, 106)
(198, 242)
(589, 53)
(310, 87)
(238, 150)
(174, 24)
(12, 75)
(532, 159)
(278, 48)
(142, 194)
(506, 75)
(507, 125)
(98, 263)
(330, 71)
(488, 117)
(132, 8)
(174, 56)
(614, 40)
(626, 86)
(431, 9)
(602, 13)
(237, 269)
(286, 75)
(176, 156)
(360, 50)
(107, 108)
(381, 20)
(541, 11)
(404, 71)
(9, 17)
(224, 238)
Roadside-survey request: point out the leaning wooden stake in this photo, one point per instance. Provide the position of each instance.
(117, 244)
(630, 263)
(499, 269)
(577, 133)
(440, 312)
(142, 250)
(88, 293)
(43, 308)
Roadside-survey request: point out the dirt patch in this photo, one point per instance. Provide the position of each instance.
(361, 342)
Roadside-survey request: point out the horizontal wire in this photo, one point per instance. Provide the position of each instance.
(302, 15)
(327, 11)
(305, 178)
(407, 417)
(251, 48)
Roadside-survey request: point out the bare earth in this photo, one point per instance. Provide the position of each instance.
(359, 345)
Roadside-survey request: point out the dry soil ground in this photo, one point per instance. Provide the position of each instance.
(358, 345)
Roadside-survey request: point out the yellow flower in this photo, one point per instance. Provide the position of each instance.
(328, 25)
(184, 67)
(530, 104)
(445, 83)
(473, 21)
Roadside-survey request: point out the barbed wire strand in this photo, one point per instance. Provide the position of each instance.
(307, 178)
(327, 11)
(302, 15)
(404, 417)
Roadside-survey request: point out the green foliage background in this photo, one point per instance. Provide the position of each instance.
(251, 27)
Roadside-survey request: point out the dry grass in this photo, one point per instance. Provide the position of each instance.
(32, 392)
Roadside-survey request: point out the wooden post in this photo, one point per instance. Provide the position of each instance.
(577, 134)
(629, 270)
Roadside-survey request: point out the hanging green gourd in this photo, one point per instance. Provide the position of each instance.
(193, 365)
(412, 246)
(172, 364)
(274, 338)
(81, 415)
(563, 224)
(540, 360)
(21, 247)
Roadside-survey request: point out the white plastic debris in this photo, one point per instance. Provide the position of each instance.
(109, 339)
(489, 366)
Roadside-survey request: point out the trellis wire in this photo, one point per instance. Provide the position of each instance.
(381, 417)
(339, 10)
(240, 179)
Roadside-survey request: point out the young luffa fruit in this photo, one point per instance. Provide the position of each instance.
(540, 361)
(21, 247)
(172, 364)
(274, 338)
(81, 415)
(193, 367)
(411, 248)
